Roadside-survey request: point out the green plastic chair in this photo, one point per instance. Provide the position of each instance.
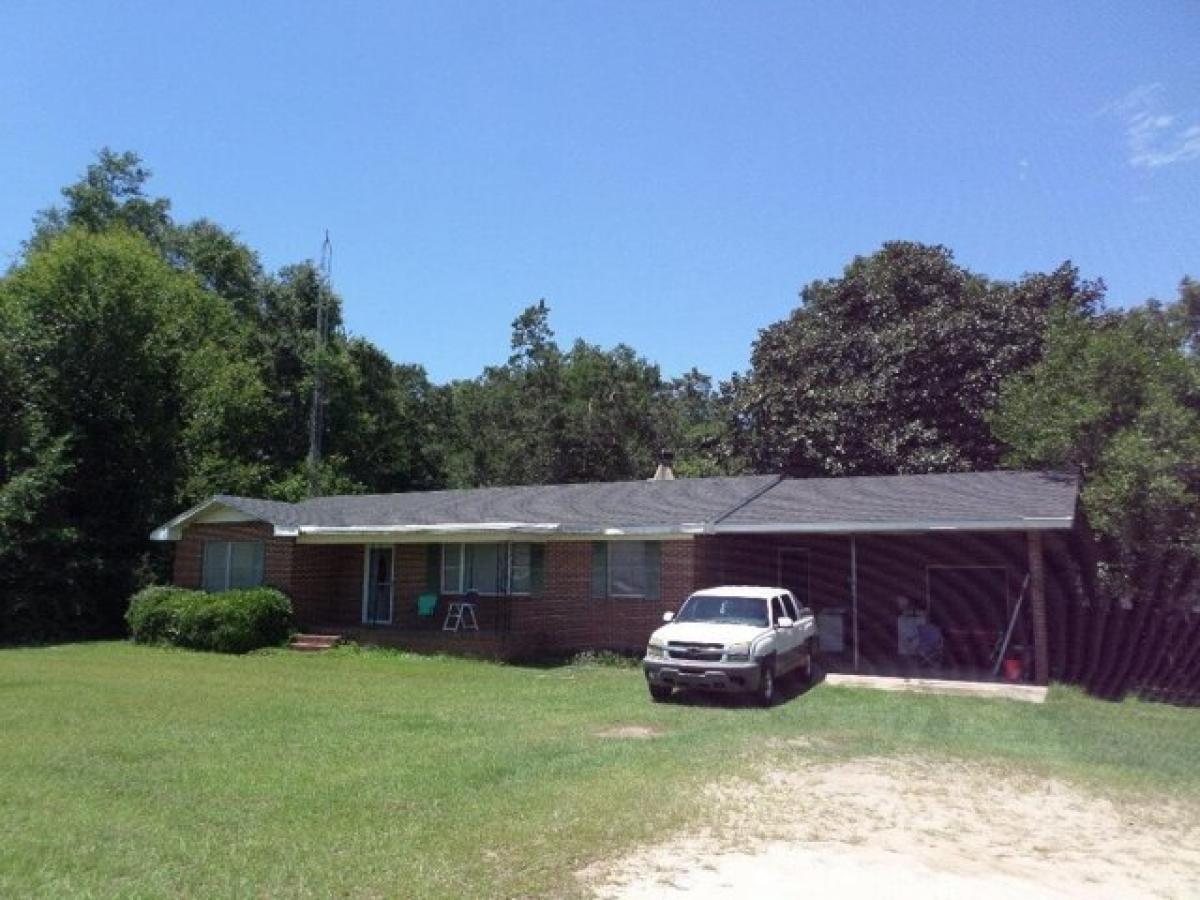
(427, 605)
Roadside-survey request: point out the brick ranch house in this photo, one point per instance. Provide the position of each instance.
(558, 568)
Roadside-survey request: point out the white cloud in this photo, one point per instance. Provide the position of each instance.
(1154, 135)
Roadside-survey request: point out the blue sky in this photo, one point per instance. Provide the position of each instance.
(665, 174)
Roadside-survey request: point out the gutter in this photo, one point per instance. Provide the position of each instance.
(483, 531)
(1030, 523)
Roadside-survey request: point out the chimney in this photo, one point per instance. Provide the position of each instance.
(664, 472)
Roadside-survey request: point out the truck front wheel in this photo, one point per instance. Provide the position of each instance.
(660, 693)
(766, 685)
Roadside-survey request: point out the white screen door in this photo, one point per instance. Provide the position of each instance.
(378, 586)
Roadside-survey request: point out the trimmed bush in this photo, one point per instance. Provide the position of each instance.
(235, 621)
(153, 613)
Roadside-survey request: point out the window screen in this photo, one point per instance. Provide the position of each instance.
(495, 569)
(231, 564)
(485, 568)
(452, 568)
(216, 560)
(521, 571)
(626, 569)
(245, 564)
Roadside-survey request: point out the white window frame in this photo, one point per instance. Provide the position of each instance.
(227, 572)
(461, 548)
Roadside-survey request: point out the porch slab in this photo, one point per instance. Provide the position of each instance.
(481, 644)
(1028, 693)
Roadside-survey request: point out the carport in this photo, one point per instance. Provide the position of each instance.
(892, 566)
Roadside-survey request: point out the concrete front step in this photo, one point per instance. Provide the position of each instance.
(312, 643)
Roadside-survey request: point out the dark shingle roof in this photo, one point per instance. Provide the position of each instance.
(619, 504)
(986, 499)
(274, 511)
(724, 504)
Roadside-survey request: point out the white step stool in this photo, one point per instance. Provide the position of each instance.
(460, 617)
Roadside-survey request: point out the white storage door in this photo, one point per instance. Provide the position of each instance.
(831, 631)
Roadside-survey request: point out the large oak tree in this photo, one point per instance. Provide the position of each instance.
(894, 366)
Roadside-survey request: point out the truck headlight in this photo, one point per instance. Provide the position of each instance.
(655, 650)
(737, 652)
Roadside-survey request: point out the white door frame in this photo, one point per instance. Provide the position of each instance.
(366, 591)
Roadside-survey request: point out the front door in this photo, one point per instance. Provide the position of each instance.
(378, 586)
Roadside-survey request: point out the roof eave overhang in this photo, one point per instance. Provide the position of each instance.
(487, 531)
(173, 530)
(1031, 523)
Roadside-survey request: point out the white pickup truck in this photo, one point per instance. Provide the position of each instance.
(731, 639)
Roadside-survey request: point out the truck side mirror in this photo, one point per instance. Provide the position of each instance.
(668, 616)
(784, 622)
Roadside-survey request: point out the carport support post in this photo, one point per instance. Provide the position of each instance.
(854, 594)
(1037, 606)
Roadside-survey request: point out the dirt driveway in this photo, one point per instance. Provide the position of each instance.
(915, 828)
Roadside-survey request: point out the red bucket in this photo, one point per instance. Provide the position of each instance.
(1013, 669)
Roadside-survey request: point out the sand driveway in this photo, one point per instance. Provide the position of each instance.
(914, 828)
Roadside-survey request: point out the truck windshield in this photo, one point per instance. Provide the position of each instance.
(729, 610)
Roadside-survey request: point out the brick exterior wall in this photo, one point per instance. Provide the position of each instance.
(277, 554)
(325, 584)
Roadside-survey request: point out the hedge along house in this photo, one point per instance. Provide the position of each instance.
(558, 568)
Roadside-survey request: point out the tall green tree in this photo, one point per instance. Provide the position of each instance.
(1118, 399)
(383, 423)
(108, 345)
(110, 193)
(695, 417)
(554, 416)
(894, 366)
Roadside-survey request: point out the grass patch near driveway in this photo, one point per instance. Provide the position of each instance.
(133, 771)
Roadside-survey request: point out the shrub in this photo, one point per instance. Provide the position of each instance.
(153, 613)
(612, 659)
(235, 621)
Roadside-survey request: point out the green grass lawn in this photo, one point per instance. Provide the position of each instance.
(128, 771)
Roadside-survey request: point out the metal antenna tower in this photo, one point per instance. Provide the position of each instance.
(316, 419)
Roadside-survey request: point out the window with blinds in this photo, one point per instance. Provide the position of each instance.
(231, 564)
(626, 569)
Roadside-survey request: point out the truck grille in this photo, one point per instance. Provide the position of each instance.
(694, 651)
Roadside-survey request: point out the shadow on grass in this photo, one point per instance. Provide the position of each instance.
(787, 689)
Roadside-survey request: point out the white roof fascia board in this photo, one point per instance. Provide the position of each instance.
(414, 534)
(643, 530)
(173, 530)
(446, 527)
(1038, 523)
